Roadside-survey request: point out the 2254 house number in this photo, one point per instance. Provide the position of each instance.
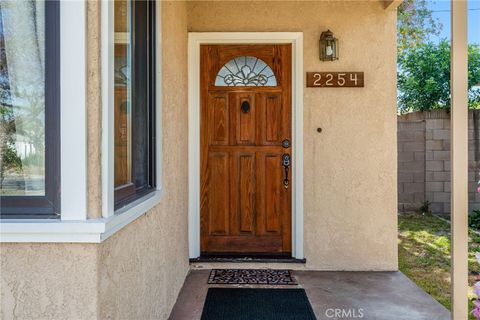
(334, 79)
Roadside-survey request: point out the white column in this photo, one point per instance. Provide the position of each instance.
(459, 159)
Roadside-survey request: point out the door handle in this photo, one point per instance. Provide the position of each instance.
(286, 161)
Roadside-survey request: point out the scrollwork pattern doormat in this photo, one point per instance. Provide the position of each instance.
(251, 276)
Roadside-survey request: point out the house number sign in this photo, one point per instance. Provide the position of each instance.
(334, 79)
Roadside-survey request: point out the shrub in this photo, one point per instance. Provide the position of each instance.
(474, 219)
(11, 161)
(425, 208)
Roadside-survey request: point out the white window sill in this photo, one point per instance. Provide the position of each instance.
(87, 231)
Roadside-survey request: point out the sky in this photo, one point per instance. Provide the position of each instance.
(441, 11)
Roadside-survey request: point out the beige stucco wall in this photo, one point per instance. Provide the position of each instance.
(350, 168)
(94, 110)
(48, 281)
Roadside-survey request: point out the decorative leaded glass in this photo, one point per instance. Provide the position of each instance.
(246, 71)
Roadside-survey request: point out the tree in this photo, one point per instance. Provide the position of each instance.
(415, 24)
(424, 77)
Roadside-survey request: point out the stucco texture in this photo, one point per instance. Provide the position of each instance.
(94, 110)
(48, 281)
(350, 196)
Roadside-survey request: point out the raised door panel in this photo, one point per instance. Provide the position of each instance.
(272, 197)
(273, 115)
(218, 193)
(273, 192)
(246, 191)
(271, 126)
(218, 119)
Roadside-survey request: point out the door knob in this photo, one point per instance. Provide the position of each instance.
(286, 166)
(286, 143)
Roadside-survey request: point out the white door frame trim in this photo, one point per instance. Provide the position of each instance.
(195, 39)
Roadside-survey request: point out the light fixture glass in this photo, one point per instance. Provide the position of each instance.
(328, 46)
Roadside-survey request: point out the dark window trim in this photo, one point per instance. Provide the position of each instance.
(47, 206)
(125, 194)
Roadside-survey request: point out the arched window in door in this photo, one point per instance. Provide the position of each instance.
(246, 71)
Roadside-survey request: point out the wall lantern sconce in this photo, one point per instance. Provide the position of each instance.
(328, 46)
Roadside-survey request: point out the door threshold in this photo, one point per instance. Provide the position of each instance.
(248, 259)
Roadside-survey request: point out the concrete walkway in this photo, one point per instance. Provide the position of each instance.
(335, 295)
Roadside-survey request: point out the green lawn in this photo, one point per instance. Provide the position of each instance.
(424, 254)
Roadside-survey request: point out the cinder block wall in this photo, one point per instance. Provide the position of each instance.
(424, 160)
(411, 163)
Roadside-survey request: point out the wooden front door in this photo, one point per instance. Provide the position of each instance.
(245, 128)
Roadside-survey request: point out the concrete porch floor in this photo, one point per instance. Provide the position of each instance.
(380, 295)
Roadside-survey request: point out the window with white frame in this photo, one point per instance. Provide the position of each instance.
(29, 109)
(134, 100)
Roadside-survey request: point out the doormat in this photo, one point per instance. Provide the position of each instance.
(265, 304)
(251, 276)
